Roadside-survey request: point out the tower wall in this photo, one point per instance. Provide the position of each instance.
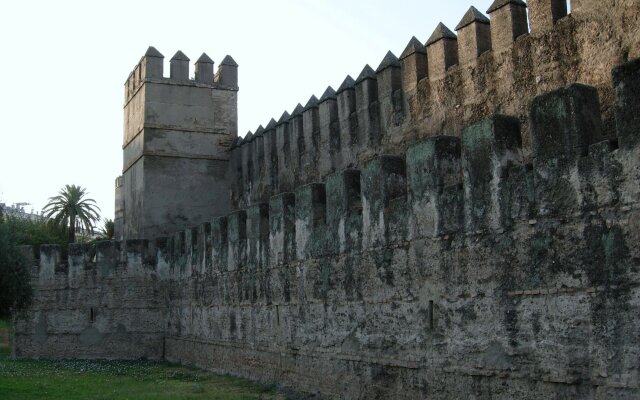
(176, 135)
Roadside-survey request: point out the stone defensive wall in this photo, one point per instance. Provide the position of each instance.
(485, 251)
(493, 65)
(109, 308)
(454, 271)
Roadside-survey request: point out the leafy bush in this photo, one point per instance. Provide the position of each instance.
(15, 286)
(34, 233)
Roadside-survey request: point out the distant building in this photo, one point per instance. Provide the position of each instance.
(17, 210)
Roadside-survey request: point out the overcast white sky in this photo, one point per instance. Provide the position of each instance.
(63, 65)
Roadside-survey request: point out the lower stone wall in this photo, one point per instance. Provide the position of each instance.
(104, 310)
(546, 311)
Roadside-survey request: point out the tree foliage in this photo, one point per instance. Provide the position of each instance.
(25, 231)
(71, 210)
(15, 286)
(107, 232)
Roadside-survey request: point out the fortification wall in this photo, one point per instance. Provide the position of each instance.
(498, 261)
(456, 271)
(491, 66)
(107, 309)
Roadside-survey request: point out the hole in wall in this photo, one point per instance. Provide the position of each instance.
(92, 315)
(431, 320)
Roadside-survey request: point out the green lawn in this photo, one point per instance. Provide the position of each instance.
(117, 380)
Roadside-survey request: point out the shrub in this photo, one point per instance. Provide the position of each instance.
(15, 286)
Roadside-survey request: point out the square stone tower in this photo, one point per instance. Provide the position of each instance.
(177, 133)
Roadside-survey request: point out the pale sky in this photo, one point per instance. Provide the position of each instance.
(64, 64)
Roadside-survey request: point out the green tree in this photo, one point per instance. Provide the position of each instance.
(15, 286)
(107, 232)
(26, 231)
(71, 210)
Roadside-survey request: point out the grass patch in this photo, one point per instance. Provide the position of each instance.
(103, 380)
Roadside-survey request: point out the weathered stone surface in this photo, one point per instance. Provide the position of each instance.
(489, 149)
(499, 265)
(563, 125)
(434, 184)
(626, 83)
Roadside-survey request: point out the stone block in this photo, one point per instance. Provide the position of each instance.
(282, 224)
(227, 74)
(434, 187)
(344, 210)
(348, 122)
(257, 235)
(489, 148)
(390, 96)
(107, 257)
(152, 64)
(565, 122)
(413, 62)
(474, 36)
(219, 244)
(329, 151)
(543, 14)
(179, 253)
(204, 247)
(563, 125)
(382, 181)
(508, 22)
(163, 259)
(600, 173)
(136, 253)
(237, 240)
(442, 50)
(310, 206)
(204, 69)
(284, 149)
(270, 166)
(311, 134)
(367, 107)
(626, 84)
(179, 67)
(296, 133)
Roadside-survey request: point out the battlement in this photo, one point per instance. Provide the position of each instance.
(431, 89)
(151, 68)
(477, 183)
(175, 127)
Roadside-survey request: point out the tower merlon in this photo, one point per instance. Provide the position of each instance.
(227, 75)
(508, 22)
(414, 64)
(179, 67)
(543, 14)
(204, 69)
(152, 63)
(442, 50)
(474, 35)
(347, 84)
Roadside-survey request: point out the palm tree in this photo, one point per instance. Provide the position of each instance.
(107, 232)
(71, 210)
